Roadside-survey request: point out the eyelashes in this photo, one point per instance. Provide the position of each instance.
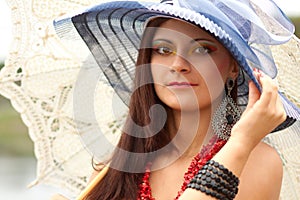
(163, 50)
(201, 48)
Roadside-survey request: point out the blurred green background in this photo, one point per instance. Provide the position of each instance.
(14, 138)
(296, 21)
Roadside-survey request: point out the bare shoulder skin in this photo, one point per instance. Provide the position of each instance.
(262, 175)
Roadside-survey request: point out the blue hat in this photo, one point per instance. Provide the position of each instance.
(113, 31)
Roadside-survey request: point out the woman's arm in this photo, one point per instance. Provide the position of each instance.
(258, 174)
(263, 113)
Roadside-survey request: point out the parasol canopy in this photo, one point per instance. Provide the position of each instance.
(40, 77)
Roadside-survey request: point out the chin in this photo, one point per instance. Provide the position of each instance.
(187, 106)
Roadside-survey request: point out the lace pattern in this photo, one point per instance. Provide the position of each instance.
(39, 78)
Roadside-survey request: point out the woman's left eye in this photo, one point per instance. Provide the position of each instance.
(202, 50)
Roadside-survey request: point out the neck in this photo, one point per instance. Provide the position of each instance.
(189, 130)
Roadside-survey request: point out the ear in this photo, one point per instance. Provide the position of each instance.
(234, 69)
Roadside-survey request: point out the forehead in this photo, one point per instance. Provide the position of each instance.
(175, 28)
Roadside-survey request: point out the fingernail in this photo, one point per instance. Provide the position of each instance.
(261, 73)
(256, 73)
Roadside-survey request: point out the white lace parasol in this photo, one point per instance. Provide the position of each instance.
(39, 78)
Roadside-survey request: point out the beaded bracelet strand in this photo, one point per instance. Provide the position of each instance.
(215, 180)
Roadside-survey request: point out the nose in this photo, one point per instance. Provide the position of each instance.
(180, 65)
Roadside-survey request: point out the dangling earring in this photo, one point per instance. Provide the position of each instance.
(226, 115)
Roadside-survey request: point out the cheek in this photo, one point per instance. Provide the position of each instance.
(224, 64)
(159, 73)
(165, 95)
(223, 69)
(155, 72)
(213, 78)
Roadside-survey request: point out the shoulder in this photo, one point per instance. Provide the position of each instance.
(266, 155)
(262, 175)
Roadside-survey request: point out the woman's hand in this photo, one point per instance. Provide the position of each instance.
(262, 115)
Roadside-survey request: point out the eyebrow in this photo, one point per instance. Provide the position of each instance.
(164, 40)
(200, 39)
(192, 41)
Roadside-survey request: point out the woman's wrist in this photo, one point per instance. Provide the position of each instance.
(234, 155)
(243, 140)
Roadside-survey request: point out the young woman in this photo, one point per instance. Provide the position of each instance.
(185, 136)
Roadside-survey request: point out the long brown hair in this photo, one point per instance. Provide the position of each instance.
(118, 184)
(121, 184)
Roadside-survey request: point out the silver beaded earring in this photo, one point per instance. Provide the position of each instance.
(226, 115)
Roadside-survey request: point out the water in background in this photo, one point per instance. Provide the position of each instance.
(15, 174)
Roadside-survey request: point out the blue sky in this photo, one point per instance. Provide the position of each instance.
(291, 7)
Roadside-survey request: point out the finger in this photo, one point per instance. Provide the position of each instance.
(254, 94)
(269, 93)
(271, 100)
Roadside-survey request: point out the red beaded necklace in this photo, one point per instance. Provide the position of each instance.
(207, 152)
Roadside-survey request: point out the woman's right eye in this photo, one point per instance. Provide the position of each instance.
(163, 50)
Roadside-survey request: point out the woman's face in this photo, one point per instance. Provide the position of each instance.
(188, 65)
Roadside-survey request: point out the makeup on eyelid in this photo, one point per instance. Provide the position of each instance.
(204, 44)
(165, 47)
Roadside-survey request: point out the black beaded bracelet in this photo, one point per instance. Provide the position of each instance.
(223, 172)
(215, 180)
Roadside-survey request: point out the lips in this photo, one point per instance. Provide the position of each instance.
(182, 84)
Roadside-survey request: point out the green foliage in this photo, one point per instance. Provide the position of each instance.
(14, 138)
(1, 64)
(296, 22)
